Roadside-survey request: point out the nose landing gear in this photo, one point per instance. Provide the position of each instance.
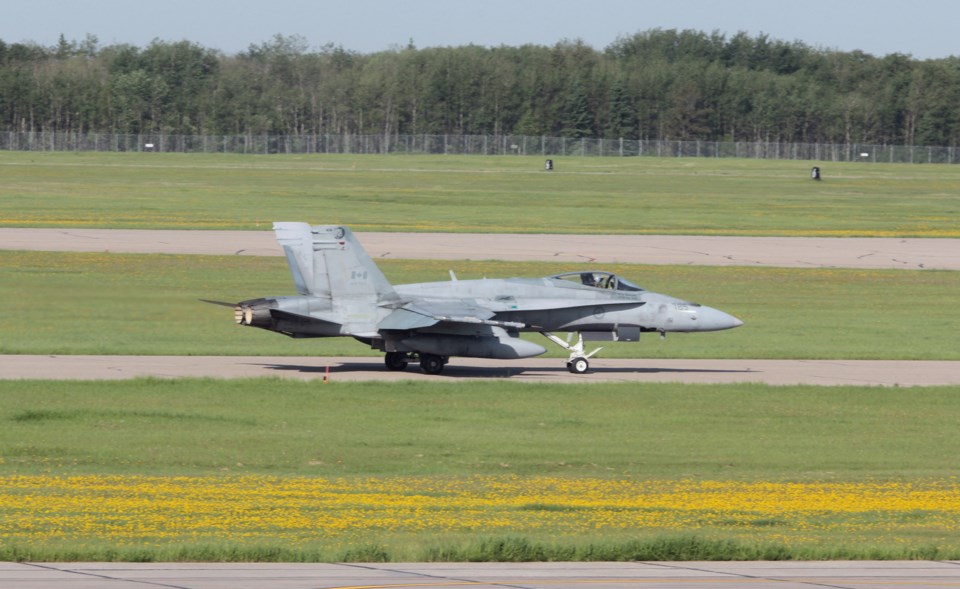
(577, 363)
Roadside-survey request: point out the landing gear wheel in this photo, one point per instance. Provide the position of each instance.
(578, 365)
(578, 360)
(395, 361)
(431, 364)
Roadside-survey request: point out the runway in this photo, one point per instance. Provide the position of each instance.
(553, 575)
(796, 252)
(545, 370)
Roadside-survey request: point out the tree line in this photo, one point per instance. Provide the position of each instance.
(656, 84)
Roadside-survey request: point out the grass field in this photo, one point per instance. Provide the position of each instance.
(100, 303)
(284, 470)
(486, 194)
(276, 427)
(270, 469)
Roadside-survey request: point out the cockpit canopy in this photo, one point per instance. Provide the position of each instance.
(598, 279)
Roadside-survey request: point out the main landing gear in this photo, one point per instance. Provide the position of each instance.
(577, 363)
(429, 363)
(396, 360)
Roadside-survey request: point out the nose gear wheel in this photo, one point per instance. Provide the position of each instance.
(577, 363)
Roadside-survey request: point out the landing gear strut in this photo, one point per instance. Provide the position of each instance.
(577, 362)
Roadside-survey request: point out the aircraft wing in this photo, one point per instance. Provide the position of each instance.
(422, 314)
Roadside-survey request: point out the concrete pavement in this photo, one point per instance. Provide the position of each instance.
(798, 252)
(571, 575)
(338, 369)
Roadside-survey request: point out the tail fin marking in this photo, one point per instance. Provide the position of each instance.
(328, 261)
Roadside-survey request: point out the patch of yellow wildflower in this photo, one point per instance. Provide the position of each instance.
(125, 509)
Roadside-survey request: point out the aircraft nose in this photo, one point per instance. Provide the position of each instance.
(711, 319)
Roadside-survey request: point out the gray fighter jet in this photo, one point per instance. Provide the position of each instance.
(341, 292)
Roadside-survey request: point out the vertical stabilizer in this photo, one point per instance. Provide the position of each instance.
(296, 239)
(328, 261)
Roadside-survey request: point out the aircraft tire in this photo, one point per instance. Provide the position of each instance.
(395, 361)
(578, 365)
(431, 364)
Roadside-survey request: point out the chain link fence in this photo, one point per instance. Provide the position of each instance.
(472, 145)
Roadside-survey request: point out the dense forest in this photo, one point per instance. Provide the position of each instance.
(657, 84)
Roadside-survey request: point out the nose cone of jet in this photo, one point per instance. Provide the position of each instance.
(710, 319)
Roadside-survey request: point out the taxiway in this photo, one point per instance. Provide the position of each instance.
(337, 369)
(802, 252)
(553, 575)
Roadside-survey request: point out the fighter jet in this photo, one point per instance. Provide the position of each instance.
(342, 292)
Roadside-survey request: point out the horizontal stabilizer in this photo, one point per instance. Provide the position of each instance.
(297, 325)
(298, 318)
(221, 303)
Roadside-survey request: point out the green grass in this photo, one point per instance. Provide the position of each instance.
(441, 431)
(59, 303)
(669, 547)
(486, 194)
(646, 431)
(510, 548)
(98, 303)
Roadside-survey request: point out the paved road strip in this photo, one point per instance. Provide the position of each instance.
(339, 369)
(531, 575)
(797, 252)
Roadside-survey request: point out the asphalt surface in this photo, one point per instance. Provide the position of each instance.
(342, 369)
(912, 254)
(554, 575)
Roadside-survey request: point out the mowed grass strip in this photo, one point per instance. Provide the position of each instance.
(276, 470)
(647, 431)
(90, 303)
(483, 194)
